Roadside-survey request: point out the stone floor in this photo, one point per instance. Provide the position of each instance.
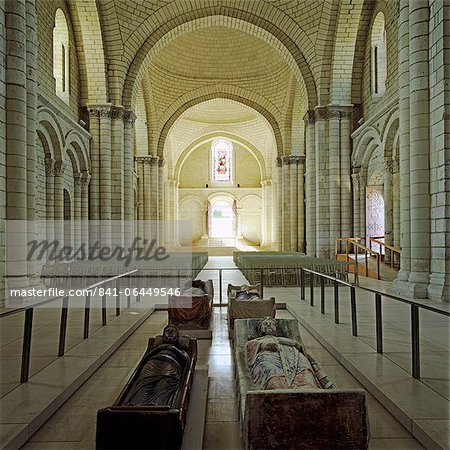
(73, 425)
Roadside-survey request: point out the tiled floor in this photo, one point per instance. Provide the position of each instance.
(73, 425)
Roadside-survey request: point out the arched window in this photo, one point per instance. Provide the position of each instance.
(61, 56)
(378, 55)
(222, 152)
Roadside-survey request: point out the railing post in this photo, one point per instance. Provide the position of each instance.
(353, 308)
(415, 341)
(103, 309)
(26, 348)
(87, 312)
(378, 266)
(302, 283)
(117, 295)
(336, 302)
(220, 287)
(63, 326)
(322, 295)
(311, 299)
(367, 263)
(262, 283)
(378, 321)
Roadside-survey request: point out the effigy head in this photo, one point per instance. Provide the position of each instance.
(170, 334)
(267, 326)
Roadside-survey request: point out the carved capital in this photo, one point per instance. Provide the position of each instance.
(144, 160)
(117, 113)
(129, 117)
(59, 168)
(161, 162)
(50, 167)
(85, 180)
(100, 111)
(279, 161)
(321, 113)
(309, 118)
(77, 176)
(154, 161)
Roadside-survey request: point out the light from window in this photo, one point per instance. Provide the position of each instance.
(61, 56)
(378, 57)
(221, 160)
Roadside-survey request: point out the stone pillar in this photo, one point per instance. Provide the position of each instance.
(439, 45)
(388, 206)
(400, 284)
(77, 209)
(128, 175)
(58, 200)
(334, 180)
(16, 128)
(31, 57)
(292, 211)
(322, 206)
(85, 179)
(356, 201)
(49, 198)
(161, 205)
(301, 205)
(117, 163)
(144, 164)
(310, 184)
(286, 203)
(395, 203)
(279, 210)
(345, 172)
(105, 175)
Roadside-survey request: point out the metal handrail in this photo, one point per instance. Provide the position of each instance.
(28, 322)
(366, 250)
(393, 249)
(415, 310)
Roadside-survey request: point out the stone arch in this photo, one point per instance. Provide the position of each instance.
(349, 17)
(48, 128)
(195, 97)
(271, 30)
(211, 136)
(74, 142)
(90, 51)
(369, 137)
(391, 132)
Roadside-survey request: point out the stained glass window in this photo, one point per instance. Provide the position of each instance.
(221, 160)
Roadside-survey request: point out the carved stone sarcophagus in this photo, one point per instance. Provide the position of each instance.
(150, 412)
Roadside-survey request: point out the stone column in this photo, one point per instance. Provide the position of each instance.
(334, 175)
(362, 203)
(310, 184)
(160, 203)
(85, 179)
(419, 148)
(31, 57)
(117, 162)
(321, 159)
(395, 203)
(388, 206)
(292, 209)
(345, 172)
(355, 189)
(16, 129)
(279, 210)
(286, 203)
(77, 185)
(49, 198)
(144, 164)
(400, 284)
(105, 175)
(58, 200)
(301, 205)
(128, 175)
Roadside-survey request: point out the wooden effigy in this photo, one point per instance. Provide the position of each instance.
(189, 311)
(144, 416)
(321, 417)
